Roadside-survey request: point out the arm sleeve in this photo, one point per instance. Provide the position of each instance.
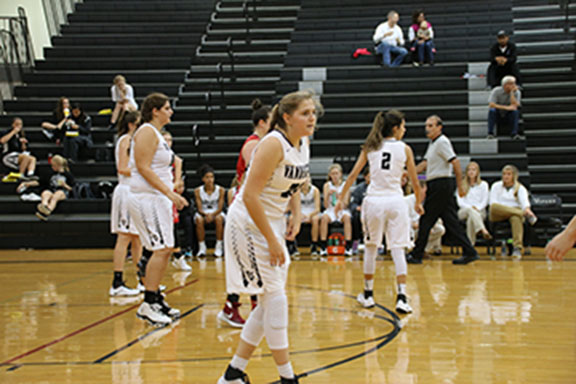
(378, 33)
(114, 94)
(431, 32)
(493, 53)
(494, 194)
(523, 197)
(492, 97)
(518, 95)
(485, 196)
(400, 35)
(86, 125)
(129, 92)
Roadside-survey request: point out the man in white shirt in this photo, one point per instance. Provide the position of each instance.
(389, 40)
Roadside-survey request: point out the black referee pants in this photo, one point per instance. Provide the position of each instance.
(441, 202)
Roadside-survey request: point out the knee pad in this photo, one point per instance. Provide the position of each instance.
(370, 254)
(276, 321)
(253, 330)
(399, 257)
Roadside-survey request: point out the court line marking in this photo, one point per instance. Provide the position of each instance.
(87, 327)
(142, 337)
(62, 261)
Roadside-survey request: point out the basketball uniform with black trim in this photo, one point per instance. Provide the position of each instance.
(248, 268)
(333, 193)
(384, 210)
(307, 201)
(150, 209)
(209, 201)
(120, 221)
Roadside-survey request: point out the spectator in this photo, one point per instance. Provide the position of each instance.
(78, 133)
(502, 61)
(421, 35)
(210, 204)
(356, 208)
(310, 211)
(509, 201)
(14, 153)
(123, 95)
(434, 244)
(54, 128)
(332, 189)
(389, 40)
(473, 204)
(59, 187)
(504, 102)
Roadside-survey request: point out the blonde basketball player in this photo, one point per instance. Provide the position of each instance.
(150, 205)
(383, 209)
(256, 256)
(120, 221)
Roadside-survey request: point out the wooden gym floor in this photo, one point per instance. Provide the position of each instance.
(495, 321)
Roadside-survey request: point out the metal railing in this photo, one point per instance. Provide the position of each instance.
(16, 53)
(57, 12)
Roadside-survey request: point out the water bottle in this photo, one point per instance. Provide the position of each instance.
(334, 199)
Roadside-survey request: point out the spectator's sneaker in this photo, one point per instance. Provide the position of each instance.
(41, 216)
(49, 135)
(181, 264)
(463, 260)
(234, 376)
(201, 250)
(29, 178)
(230, 314)
(527, 251)
(314, 251)
(411, 259)
(348, 252)
(365, 302)
(123, 291)
(323, 252)
(30, 197)
(153, 314)
(532, 220)
(218, 250)
(402, 305)
(415, 64)
(168, 310)
(490, 136)
(43, 209)
(517, 254)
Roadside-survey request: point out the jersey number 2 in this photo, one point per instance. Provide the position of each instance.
(386, 157)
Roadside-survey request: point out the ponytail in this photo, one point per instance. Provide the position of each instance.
(382, 128)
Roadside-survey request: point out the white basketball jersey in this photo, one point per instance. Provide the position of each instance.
(161, 165)
(209, 201)
(287, 178)
(386, 168)
(122, 179)
(334, 192)
(307, 201)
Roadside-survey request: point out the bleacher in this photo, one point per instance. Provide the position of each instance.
(215, 58)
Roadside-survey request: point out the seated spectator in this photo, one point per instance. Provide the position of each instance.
(434, 245)
(14, 153)
(310, 210)
(54, 128)
(509, 202)
(123, 95)
(421, 35)
(210, 206)
(504, 103)
(332, 189)
(473, 204)
(78, 133)
(356, 208)
(231, 194)
(59, 187)
(502, 61)
(389, 40)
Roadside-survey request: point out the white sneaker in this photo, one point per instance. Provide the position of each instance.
(222, 380)
(323, 252)
(402, 306)
(517, 254)
(123, 291)
(30, 197)
(168, 310)
(218, 251)
(348, 252)
(201, 250)
(153, 314)
(181, 264)
(366, 302)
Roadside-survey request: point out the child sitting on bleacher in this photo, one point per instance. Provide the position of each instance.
(210, 205)
(59, 187)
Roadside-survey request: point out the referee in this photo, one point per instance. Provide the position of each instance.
(440, 198)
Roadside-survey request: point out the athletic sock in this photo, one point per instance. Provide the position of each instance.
(233, 298)
(151, 297)
(402, 289)
(286, 371)
(254, 297)
(30, 173)
(323, 244)
(348, 244)
(117, 279)
(368, 288)
(239, 363)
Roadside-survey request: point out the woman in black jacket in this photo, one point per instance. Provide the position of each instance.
(78, 132)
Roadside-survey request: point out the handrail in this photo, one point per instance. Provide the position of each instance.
(208, 104)
(56, 13)
(220, 80)
(247, 20)
(196, 140)
(230, 51)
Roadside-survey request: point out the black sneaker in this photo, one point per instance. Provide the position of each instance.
(314, 250)
(463, 260)
(289, 381)
(233, 374)
(411, 259)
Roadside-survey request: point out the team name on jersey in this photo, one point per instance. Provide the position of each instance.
(296, 172)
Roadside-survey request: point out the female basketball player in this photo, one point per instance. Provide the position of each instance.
(332, 194)
(261, 125)
(150, 204)
(256, 256)
(210, 205)
(120, 221)
(383, 209)
(310, 210)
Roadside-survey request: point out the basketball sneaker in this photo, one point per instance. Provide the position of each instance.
(234, 376)
(366, 302)
(314, 251)
(218, 249)
(323, 252)
(152, 313)
(168, 310)
(181, 264)
(283, 380)
(201, 250)
(348, 252)
(123, 290)
(231, 315)
(402, 305)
